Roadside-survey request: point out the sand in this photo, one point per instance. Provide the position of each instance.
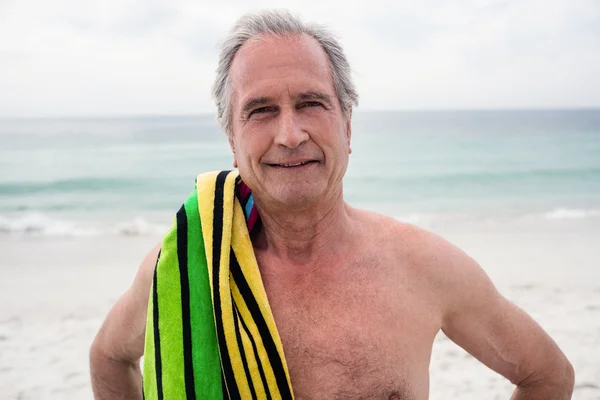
(55, 293)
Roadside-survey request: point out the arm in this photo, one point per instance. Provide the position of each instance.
(119, 344)
(497, 332)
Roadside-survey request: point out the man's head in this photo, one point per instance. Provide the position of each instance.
(285, 95)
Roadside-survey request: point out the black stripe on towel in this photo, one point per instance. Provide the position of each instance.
(182, 258)
(256, 356)
(263, 329)
(157, 356)
(238, 336)
(224, 389)
(230, 383)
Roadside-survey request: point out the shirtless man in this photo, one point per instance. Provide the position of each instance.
(357, 297)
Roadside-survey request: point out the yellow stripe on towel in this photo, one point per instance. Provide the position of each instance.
(252, 357)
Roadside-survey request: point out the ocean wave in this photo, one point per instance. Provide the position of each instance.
(476, 176)
(69, 185)
(426, 220)
(139, 227)
(567, 213)
(42, 225)
(429, 220)
(38, 224)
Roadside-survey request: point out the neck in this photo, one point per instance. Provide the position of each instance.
(298, 235)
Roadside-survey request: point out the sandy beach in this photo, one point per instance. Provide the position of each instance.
(56, 292)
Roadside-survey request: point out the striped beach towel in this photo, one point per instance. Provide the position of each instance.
(210, 333)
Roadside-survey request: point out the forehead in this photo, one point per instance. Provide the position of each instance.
(268, 66)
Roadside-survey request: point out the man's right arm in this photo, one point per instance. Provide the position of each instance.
(116, 351)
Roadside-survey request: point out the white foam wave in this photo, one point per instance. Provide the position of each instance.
(431, 220)
(428, 220)
(567, 213)
(37, 224)
(425, 220)
(139, 227)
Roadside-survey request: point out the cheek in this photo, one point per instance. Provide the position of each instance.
(250, 150)
(335, 136)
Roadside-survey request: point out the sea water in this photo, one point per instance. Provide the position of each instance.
(129, 175)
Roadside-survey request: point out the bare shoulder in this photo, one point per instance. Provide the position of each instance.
(421, 245)
(425, 253)
(456, 282)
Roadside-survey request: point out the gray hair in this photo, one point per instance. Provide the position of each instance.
(280, 23)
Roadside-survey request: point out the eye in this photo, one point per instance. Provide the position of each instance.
(260, 110)
(310, 104)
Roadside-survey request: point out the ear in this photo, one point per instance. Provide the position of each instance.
(232, 145)
(349, 132)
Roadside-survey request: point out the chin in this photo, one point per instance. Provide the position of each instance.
(298, 194)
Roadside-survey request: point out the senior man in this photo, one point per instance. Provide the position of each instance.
(346, 304)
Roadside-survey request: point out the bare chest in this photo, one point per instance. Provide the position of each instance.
(354, 333)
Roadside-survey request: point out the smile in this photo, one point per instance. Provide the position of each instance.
(294, 164)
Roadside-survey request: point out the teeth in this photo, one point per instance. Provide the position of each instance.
(294, 165)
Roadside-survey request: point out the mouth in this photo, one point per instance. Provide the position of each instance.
(294, 165)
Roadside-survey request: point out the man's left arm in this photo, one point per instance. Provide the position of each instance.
(498, 333)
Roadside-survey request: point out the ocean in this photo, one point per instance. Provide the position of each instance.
(128, 176)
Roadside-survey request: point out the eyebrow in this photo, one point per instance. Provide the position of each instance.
(316, 96)
(258, 101)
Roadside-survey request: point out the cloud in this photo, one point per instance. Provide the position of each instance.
(78, 57)
(486, 55)
(135, 20)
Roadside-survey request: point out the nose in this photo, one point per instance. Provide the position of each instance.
(290, 133)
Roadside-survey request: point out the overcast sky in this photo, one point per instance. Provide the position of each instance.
(81, 57)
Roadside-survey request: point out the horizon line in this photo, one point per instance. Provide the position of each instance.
(357, 111)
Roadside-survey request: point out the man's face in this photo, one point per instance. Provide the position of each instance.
(285, 113)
